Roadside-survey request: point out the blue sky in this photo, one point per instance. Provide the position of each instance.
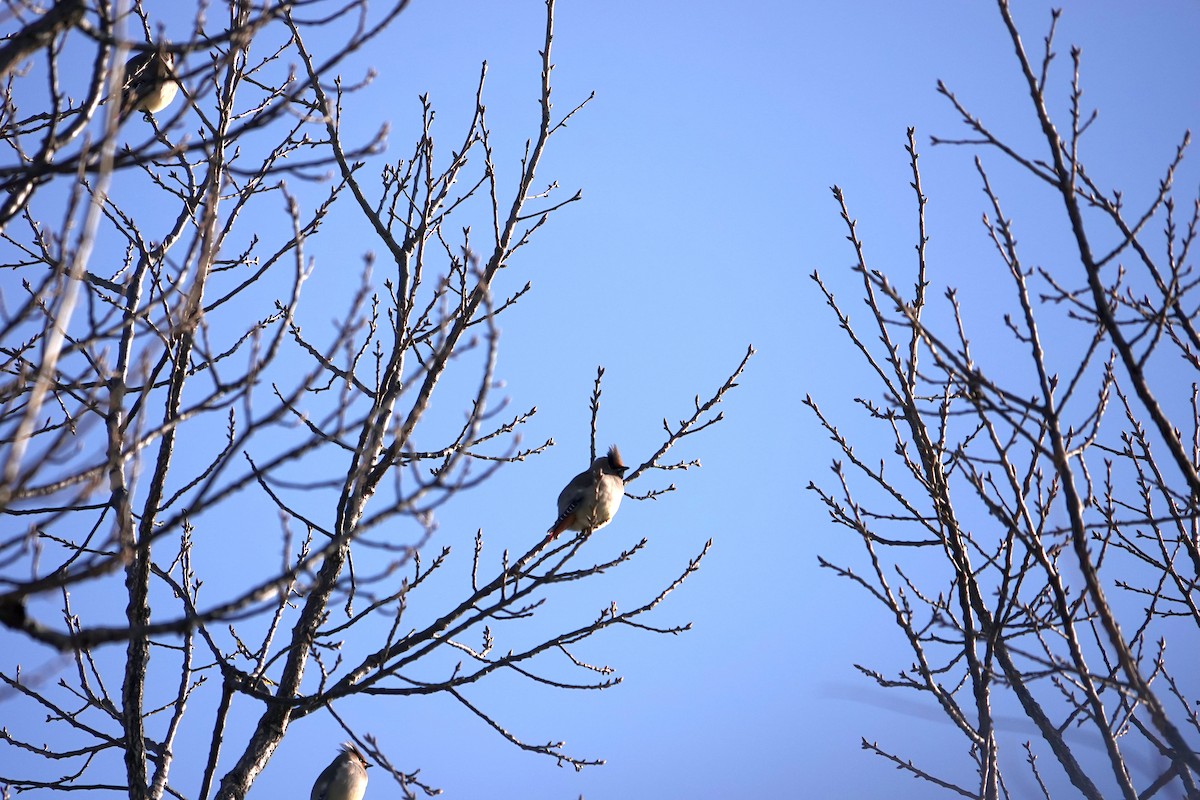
(705, 162)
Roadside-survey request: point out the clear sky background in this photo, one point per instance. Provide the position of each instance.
(705, 163)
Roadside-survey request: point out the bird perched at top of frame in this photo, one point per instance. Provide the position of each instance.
(149, 84)
(590, 500)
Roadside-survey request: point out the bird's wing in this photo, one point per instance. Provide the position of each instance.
(138, 80)
(565, 517)
(574, 491)
(324, 781)
(136, 68)
(569, 499)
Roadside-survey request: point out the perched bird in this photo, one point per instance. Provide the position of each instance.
(345, 778)
(591, 499)
(150, 84)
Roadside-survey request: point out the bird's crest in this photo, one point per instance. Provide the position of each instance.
(352, 750)
(614, 459)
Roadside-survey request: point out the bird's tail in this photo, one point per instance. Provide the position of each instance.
(558, 527)
(563, 522)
